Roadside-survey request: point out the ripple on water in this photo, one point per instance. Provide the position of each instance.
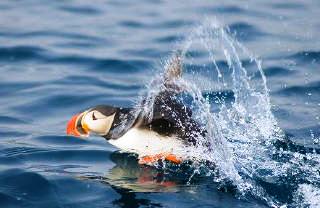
(51, 34)
(12, 133)
(145, 53)
(307, 57)
(9, 88)
(97, 81)
(35, 107)
(277, 71)
(38, 54)
(246, 32)
(21, 53)
(16, 151)
(83, 10)
(73, 156)
(132, 24)
(172, 24)
(11, 120)
(61, 140)
(288, 5)
(168, 39)
(312, 88)
(10, 201)
(28, 188)
(228, 9)
(54, 159)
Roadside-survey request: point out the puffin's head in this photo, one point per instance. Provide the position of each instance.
(97, 120)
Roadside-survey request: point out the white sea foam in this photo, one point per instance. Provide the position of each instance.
(307, 196)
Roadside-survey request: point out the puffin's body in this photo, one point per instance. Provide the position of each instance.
(164, 135)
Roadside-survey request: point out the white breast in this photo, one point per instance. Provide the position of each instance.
(145, 142)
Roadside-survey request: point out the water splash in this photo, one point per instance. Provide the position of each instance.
(307, 196)
(242, 133)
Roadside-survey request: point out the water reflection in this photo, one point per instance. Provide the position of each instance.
(128, 179)
(129, 200)
(128, 174)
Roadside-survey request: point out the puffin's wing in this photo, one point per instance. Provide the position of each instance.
(173, 68)
(172, 117)
(166, 108)
(173, 71)
(166, 105)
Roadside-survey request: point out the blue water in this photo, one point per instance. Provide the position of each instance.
(60, 57)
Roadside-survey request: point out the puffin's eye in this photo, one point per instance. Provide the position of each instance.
(94, 117)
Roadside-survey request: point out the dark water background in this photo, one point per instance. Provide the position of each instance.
(60, 57)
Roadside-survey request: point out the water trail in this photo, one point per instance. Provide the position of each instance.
(241, 129)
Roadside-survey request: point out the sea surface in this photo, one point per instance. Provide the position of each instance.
(58, 58)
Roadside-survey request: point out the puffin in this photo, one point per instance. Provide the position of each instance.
(165, 134)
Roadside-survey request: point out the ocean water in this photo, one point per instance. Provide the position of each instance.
(255, 65)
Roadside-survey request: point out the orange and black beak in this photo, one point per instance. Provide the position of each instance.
(77, 127)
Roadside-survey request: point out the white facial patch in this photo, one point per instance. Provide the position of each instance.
(97, 122)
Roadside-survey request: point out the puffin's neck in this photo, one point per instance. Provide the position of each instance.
(124, 119)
